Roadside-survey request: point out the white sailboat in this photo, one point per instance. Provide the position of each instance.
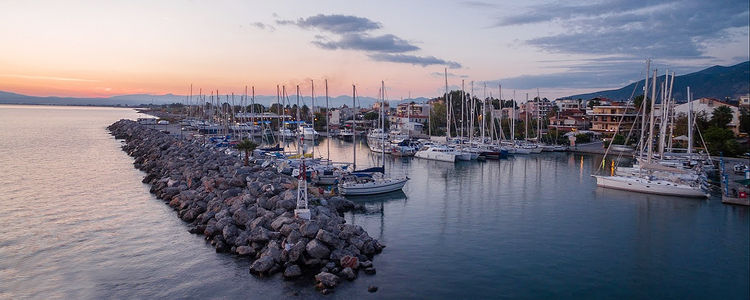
(653, 177)
(376, 183)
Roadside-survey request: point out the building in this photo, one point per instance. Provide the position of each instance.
(613, 118)
(339, 115)
(376, 106)
(569, 104)
(706, 106)
(508, 112)
(569, 120)
(745, 102)
(536, 108)
(410, 117)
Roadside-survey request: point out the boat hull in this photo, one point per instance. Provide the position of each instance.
(642, 185)
(372, 188)
(436, 156)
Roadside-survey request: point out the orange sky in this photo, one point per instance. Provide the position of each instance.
(104, 48)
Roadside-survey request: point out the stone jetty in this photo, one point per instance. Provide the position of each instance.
(249, 210)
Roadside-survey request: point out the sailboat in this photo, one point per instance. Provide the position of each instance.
(375, 182)
(653, 178)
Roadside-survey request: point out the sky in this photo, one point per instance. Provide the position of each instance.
(106, 48)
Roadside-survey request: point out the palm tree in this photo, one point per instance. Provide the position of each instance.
(247, 146)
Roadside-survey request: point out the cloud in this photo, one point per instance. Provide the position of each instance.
(414, 60)
(339, 24)
(595, 73)
(355, 41)
(479, 4)
(441, 74)
(263, 26)
(677, 30)
(353, 33)
(37, 77)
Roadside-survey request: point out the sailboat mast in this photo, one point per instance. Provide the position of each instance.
(354, 127)
(382, 123)
(664, 109)
(299, 129)
(538, 116)
(690, 121)
(671, 114)
(526, 119)
(513, 119)
(328, 131)
(279, 111)
(312, 114)
(447, 109)
(643, 108)
(500, 97)
(463, 109)
(651, 119)
(484, 110)
(472, 110)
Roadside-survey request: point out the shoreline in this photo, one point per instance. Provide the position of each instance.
(248, 210)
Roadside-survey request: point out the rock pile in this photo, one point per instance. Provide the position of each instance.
(249, 210)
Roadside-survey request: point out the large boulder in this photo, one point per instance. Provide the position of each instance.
(272, 250)
(317, 249)
(292, 271)
(280, 221)
(245, 250)
(328, 279)
(309, 228)
(328, 238)
(348, 274)
(296, 251)
(241, 217)
(262, 265)
(259, 234)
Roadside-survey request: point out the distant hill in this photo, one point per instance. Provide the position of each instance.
(143, 99)
(715, 82)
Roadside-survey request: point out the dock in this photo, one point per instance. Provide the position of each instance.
(734, 187)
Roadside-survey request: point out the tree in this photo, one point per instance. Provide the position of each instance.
(638, 101)
(744, 120)
(371, 115)
(553, 111)
(720, 140)
(437, 119)
(320, 121)
(701, 121)
(593, 102)
(246, 146)
(721, 116)
(582, 138)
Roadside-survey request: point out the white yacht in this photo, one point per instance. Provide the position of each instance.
(346, 134)
(377, 184)
(375, 140)
(287, 134)
(308, 132)
(650, 185)
(435, 152)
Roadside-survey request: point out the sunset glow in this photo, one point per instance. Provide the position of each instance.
(103, 48)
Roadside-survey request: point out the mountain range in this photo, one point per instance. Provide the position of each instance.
(146, 99)
(715, 82)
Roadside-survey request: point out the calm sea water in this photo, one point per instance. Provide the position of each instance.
(76, 222)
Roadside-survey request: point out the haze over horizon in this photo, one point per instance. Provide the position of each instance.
(105, 48)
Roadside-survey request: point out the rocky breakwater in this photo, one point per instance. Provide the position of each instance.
(249, 210)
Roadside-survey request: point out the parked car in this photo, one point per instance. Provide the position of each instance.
(740, 169)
